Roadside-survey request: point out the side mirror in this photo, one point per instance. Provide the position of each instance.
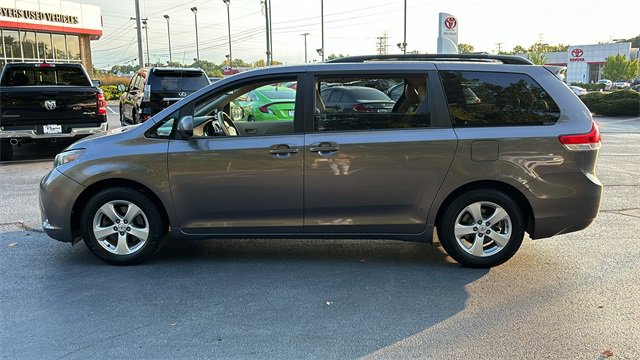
(96, 82)
(121, 88)
(185, 127)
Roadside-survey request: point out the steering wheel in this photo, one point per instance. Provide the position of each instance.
(223, 120)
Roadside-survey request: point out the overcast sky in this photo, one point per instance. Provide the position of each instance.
(352, 26)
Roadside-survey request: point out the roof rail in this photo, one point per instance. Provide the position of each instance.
(505, 59)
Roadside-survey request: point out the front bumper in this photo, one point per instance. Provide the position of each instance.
(57, 196)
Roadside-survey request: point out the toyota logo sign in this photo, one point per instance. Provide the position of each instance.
(577, 52)
(182, 94)
(450, 22)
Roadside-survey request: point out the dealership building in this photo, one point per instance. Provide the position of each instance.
(585, 62)
(48, 31)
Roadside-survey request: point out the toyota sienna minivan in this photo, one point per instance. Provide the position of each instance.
(518, 156)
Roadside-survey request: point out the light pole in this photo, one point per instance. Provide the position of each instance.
(322, 28)
(195, 14)
(146, 38)
(169, 36)
(403, 44)
(305, 46)
(229, 27)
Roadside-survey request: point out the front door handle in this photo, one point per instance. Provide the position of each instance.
(325, 146)
(282, 149)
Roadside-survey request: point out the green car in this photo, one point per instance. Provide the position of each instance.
(266, 103)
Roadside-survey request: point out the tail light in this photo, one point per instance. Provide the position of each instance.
(362, 108)
(583, 142)
(146, 94)
(102, 104)
(265, 109)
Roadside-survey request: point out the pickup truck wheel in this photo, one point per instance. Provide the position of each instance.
(121, 226)
(6, 151)
(482, 228)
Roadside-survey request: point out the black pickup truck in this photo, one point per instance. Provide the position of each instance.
(47, 102)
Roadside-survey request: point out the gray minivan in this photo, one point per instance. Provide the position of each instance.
(517, 156)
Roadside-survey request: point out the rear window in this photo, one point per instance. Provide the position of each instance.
(478, 98)
(364, 93)
(178, 80)
(45, 76)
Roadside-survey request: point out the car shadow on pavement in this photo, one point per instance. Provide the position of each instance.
(231, 299)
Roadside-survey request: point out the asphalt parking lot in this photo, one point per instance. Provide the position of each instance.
(571, 296)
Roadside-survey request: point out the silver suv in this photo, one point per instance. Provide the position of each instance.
(480, 148)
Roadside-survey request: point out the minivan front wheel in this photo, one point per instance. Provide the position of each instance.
(122, 226)
(482, 228)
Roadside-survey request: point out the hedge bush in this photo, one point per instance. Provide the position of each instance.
(590, 87)
(110, 92)
(623, 102)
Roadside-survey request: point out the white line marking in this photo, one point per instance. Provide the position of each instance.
(112, 111)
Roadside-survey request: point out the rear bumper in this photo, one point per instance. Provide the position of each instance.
(33, 135)
(565, 208)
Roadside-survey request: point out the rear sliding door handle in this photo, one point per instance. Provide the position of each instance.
(326, 146)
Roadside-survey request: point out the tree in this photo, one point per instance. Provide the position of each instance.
(465, 48)
(334, 56)
(635, 41)
(518, 49)
(536, 53)
(617, 67)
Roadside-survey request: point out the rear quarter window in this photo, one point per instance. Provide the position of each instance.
(479, 98)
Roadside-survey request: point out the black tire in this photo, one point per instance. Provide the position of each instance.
(132, 249)
(486, 244)
(6, 151)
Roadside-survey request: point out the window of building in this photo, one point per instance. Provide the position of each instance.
(28, 45)
(11, 40)
(497, 99)
(45, 48)
(350, 104)
(59, 46)
(73, 47)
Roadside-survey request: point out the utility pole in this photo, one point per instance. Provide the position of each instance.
(195, 14)
(383, 44)
(305, 46)
(499, 45)
(270, 33)
(146, 36)
(322, 28)
(404, 42)
(227, 2)
(139, 32)
(266, 16)
(169, 36)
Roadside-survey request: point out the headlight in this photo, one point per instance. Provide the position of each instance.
(67, 156)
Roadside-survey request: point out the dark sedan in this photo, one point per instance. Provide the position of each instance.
(355, 99)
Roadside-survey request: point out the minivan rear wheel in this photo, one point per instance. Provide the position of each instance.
(122, 226)
(481, 228)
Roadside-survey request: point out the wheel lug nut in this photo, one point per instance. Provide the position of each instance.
(488, 223)
(128, 228)
(125, 221)
(475, 229)
(479, 222)
(122, 233)
(488, 232)
(115, 228)
(117, 221)
(480, 235)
